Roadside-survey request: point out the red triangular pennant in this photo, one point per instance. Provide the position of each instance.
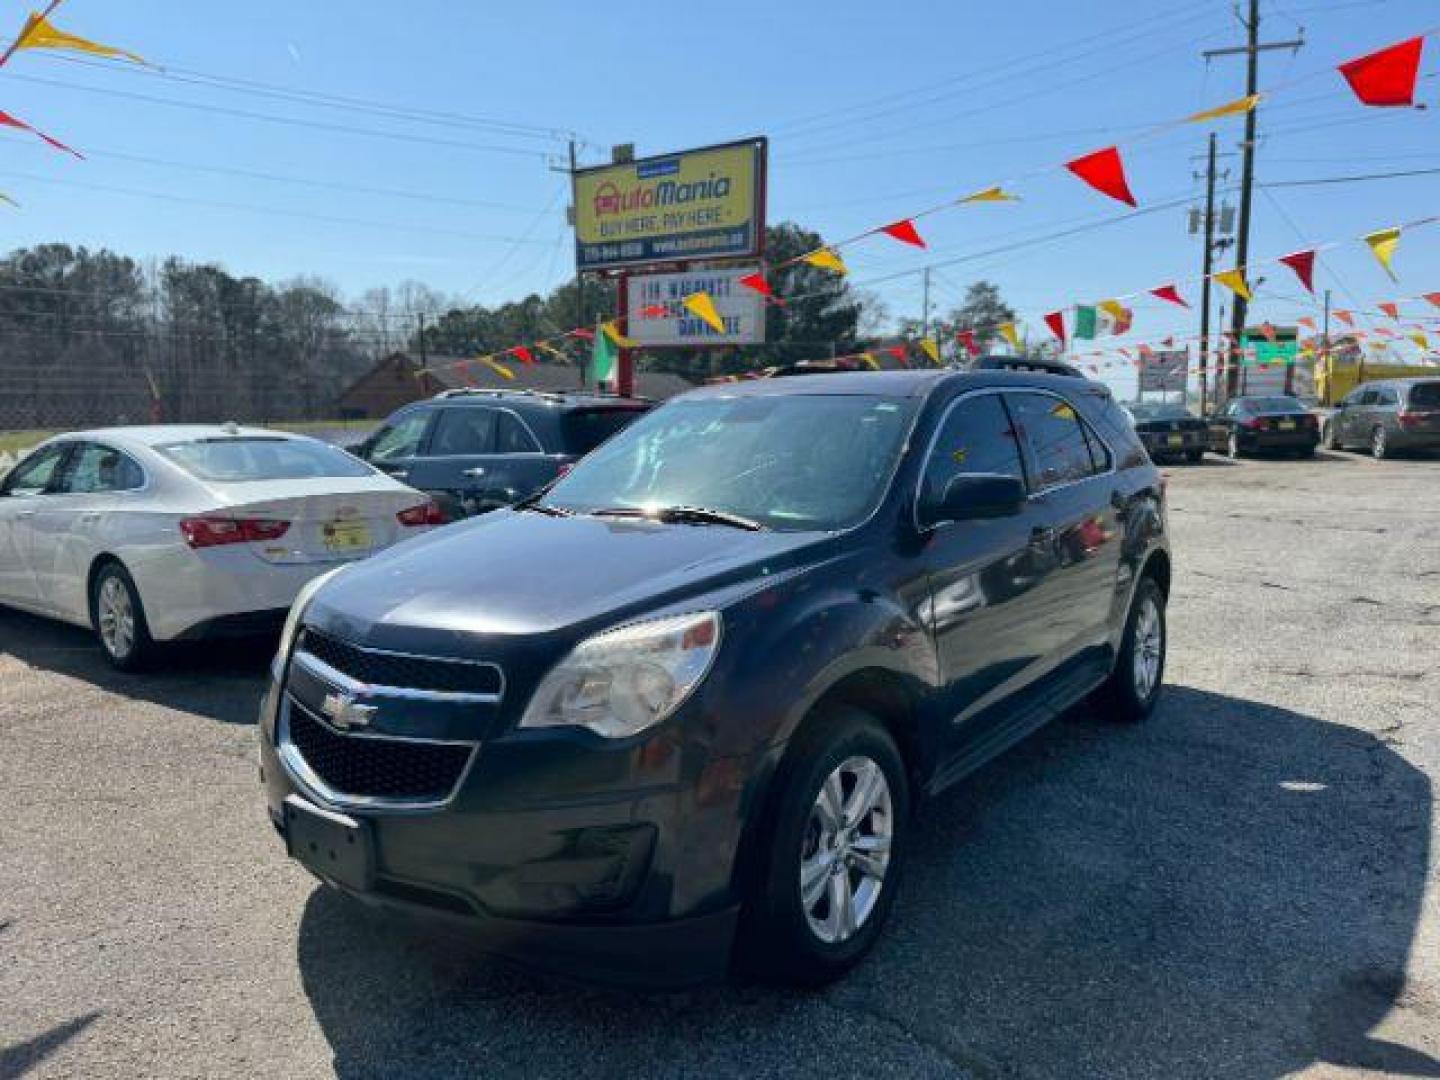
(1303, 263)
(757, 282)
(1433, 297)
(1169, 292)
(967, 338)
(904, 231)
(1056, 321)
(524, 355)
(1307, 322)
(582, 333)
(897, 351)
(1267, 331)
(1344, 316)
(1105, 172)
(653, 311)
(11, 121)
(1386, 77)
(1391, 309)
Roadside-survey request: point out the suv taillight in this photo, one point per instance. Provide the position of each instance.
(203, 532)
(1409, 419)
(427, 513)
(1254, 423)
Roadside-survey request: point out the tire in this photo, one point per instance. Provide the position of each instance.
(118, 618)
(1330, 437)
(1380, 444)
(1232, 446)
(1194, 457)
(784, 939)
(1124, 696)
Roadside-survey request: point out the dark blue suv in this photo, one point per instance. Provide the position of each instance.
(476, 450)
(689, 697)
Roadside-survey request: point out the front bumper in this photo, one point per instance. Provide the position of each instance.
(614, 863)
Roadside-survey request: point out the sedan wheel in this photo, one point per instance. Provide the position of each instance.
(1232, 445)
(119, 619)
(1149, 648)
(847, 849)
(1329, 436)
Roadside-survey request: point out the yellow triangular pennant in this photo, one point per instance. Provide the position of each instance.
(825, 259)
(612, 331)
(1116, 310)
(1419, 338)
(1007, 331)
(704, 307)
(930, 349)
(869, 359)
(40, 33)
(546, 347)
(497, 367)
(991, 194)
(1234, 280)
(1231, 108)
(1382, 245)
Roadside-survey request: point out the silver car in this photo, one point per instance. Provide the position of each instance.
(1387, 418)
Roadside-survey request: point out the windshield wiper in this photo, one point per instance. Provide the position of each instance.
(683, 515)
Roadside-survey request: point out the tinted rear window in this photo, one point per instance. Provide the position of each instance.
(1425, 395)
(235, 460)
(585, 429)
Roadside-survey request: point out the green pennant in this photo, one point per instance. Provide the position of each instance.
(1084, 323)
(602, 360)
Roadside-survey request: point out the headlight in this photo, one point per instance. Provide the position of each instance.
(297, 610)
(624, 680)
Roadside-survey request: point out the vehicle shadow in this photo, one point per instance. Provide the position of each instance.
(222, 680)
(1228, 890)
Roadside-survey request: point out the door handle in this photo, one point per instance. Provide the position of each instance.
(25, 514)
(478, 470)
(89, 517)
(399, 474)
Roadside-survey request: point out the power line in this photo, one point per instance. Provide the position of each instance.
(1356, 178)
(266, 210)
(246, 114)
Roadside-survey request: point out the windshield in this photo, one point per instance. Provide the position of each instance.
(1149, 411)
(790, 462)
(231, 460)
(1269, 405)
(1425, 395)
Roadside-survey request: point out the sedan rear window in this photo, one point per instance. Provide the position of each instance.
(1425, 395)
(585, 429)
(236, 460)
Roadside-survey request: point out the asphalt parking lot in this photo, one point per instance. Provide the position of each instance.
(1244, 887)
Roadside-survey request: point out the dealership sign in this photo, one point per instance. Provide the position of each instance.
(657, 316)
(698, 204)
(1164, 371)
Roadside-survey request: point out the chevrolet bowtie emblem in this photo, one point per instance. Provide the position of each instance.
(345, 713)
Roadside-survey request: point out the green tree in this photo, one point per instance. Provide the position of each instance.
(982, 310)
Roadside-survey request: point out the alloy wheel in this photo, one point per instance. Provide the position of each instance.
(1378, 445)
(846, 850)
(1149, 648)
(1234, 446)
(116, 616)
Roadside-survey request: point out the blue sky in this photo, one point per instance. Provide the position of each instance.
(874, 111)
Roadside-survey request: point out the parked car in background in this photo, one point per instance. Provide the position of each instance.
(695, 688)
(153, 534)
(1169, 430)
(1387, 418)
(1273, 423)
(476, 450)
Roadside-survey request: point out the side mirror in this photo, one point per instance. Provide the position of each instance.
(972, 496)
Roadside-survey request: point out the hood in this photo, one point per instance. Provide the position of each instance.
(517, 573)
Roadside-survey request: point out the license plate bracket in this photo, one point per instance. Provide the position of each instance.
(1287, 425)
(333, 846)
(345, 536)
(1176, 440)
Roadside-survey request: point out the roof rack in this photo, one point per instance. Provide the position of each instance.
(542, 395)
(1025, 363)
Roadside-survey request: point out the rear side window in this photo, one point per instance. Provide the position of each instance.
(464, 430)
(513, 437)
(232, 460)
(1061, 447)
(94, 469)
(1425, 395)
(976, 437)
(585, 429)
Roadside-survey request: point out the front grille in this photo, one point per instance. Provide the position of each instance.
(376, 767)
(395, 669)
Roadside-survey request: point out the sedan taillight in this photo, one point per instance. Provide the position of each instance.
(427, 513)
(203, 532)
(1410, 419)
(1254, 423)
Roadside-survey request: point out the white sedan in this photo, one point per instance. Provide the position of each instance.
(165, 533)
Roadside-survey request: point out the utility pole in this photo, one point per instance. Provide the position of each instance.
(424, 359)
(1208, 264)
(925, 305)
(1252, 50)
(579, 274)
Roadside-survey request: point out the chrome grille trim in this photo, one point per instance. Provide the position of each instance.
(341, 681)
(306, 778)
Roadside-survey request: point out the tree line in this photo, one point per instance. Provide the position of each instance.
(93, 337)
